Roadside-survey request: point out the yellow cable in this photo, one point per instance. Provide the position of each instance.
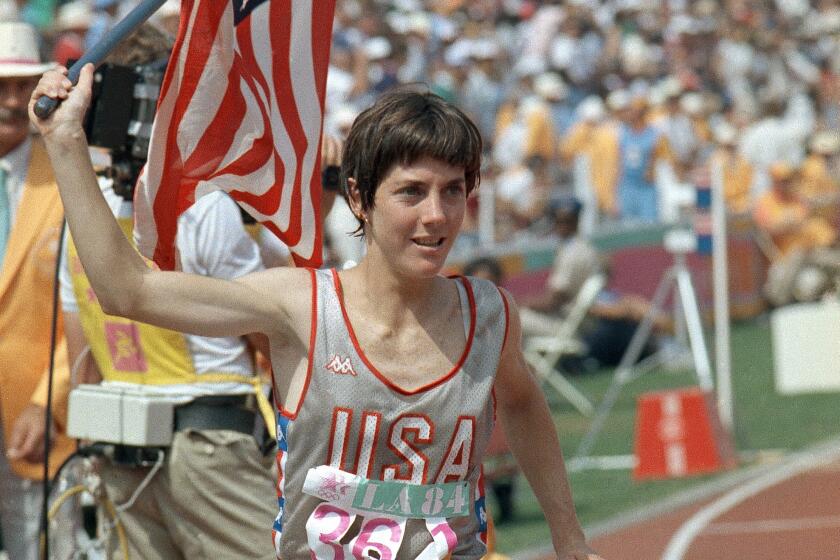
(105, 502)
(123, 540)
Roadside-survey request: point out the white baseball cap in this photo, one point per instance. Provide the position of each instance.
(618, 99)
(377, 48)
(591, 109)
(726, 134)
(692, 103)
(549, 85)
(73, 15)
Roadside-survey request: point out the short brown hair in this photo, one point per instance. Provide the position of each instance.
(402, 127)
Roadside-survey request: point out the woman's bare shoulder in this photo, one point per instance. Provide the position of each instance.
(281, 283)
(288, 289)
(288, 275)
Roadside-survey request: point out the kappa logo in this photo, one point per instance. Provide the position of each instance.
(341, 367)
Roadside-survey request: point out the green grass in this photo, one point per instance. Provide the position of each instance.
(763, 419)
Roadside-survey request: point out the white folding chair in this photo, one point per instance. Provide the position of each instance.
(544, 352)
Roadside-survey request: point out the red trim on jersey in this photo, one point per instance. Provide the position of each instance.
(313, 329)
(417, 439)
(360, 444)
(347, 429)
(507, 317)
(471, 420)
(390, 384)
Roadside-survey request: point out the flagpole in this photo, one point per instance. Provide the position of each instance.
(97, 53)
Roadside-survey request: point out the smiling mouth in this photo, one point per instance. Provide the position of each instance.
(431, 243)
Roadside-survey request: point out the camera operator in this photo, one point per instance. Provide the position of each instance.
(30, 222)
(210, 494)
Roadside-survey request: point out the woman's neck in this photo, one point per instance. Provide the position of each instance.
(381, 290)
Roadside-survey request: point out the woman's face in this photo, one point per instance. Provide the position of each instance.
(417, 214)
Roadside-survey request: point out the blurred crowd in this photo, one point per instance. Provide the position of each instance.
(626, 104)
(633, 82)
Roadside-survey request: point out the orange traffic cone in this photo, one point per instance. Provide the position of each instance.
(678, 433)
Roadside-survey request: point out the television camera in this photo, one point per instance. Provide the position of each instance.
(124, 128)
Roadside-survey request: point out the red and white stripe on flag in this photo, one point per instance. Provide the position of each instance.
(240, 109)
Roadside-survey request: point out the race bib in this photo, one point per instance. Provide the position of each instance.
(389, 498)
(385, 506)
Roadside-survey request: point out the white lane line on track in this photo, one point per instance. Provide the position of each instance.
(773, 525)
(682, 539)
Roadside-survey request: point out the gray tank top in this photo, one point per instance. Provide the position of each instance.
(353, 419)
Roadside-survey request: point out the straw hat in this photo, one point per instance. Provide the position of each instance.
(19, 56)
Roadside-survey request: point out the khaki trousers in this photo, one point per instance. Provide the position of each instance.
(214, 498)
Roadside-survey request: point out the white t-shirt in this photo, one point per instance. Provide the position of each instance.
(211, 241)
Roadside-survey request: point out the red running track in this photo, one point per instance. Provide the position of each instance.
(787, 512)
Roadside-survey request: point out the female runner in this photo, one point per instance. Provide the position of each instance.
(396, 373)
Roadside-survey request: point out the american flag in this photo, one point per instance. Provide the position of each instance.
(240, 109)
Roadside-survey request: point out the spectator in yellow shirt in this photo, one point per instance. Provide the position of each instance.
(786, 218)
(524, 127)
(799, 238)
(737, 171)
(594, 144)
(820, 184)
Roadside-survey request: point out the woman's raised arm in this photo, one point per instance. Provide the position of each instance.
(120, 278)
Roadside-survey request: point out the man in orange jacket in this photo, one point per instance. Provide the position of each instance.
(30, 224)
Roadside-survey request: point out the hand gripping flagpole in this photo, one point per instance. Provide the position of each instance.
(97, 53)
